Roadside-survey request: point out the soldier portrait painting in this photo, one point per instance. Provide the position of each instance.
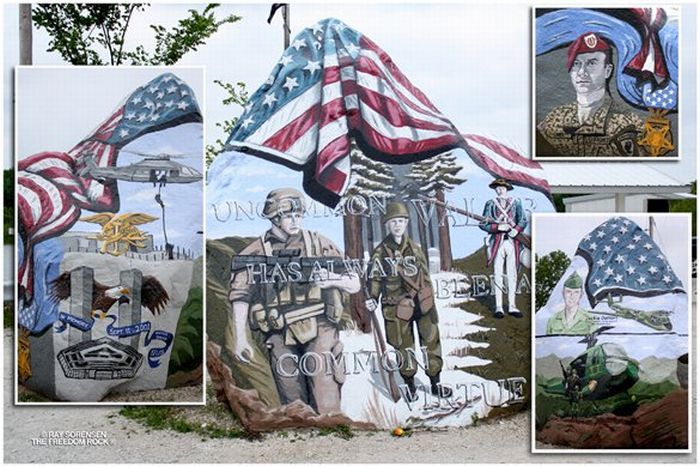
(593, 125)
(606, 83)
(572, 319)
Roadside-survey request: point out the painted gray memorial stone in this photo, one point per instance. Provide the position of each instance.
(109, 293)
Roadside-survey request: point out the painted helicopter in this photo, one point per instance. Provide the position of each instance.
(158, 169)
(658, 320)
(602, 371)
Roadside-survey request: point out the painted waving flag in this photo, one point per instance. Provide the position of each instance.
(334, 84)
(53, 187)
(624, 260)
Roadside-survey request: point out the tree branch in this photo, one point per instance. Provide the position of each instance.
(121, 41)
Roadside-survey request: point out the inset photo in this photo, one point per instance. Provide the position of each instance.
(110, 235)
(606, 83)
(611, 333)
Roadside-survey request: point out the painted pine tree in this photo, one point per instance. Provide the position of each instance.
(432, 178)
(368, 178)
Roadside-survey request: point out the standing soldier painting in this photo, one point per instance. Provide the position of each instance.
(593, 125)
(406, 298)
(505, 219)
(277, 352)
(295, 317)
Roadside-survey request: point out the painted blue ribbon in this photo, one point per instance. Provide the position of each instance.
(66, 319)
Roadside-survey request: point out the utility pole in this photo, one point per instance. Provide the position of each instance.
(25, 34)
(285, 20)
(285, 17)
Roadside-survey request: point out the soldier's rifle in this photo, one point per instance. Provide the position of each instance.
(381, 349)
(522, 237)
(290, 256)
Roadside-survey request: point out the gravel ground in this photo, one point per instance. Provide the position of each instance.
(501, 441)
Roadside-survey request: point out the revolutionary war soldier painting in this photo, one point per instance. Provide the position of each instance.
(606, 83)
(109, 244)
(505, 221)
(611, 332)
(360, 273)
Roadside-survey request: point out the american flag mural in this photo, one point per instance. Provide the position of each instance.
(53, 187)
(334, 84)
(624, 260)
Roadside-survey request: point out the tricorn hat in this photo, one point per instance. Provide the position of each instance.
(501, 182)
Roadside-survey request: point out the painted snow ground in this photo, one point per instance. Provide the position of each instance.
(365, 398)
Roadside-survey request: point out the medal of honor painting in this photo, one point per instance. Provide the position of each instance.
(611, 332)
(109, 253)
(620, 98)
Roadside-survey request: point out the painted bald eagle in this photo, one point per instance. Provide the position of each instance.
(153, 294)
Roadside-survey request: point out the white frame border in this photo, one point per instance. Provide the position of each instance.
(202, 107)
(533, 93)
(691, 336)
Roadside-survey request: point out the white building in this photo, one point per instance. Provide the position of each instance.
(614, 186)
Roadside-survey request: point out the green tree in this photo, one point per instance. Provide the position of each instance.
(548, 271)
(236, 95)
(686, 205)
(95, 34)
(84, 33)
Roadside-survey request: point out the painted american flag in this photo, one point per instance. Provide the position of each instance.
(53, 187)
(334, 84)
(624, 260)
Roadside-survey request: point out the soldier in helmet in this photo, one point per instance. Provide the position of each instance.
(296, 317)
(572, 319)
(505, 220)
(593, 125)
(407, 298)
(572, 389)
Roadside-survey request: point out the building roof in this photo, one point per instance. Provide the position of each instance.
(601, 196)
(610, 177)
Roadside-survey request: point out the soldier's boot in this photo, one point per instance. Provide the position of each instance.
(438, 389)
(411, 392)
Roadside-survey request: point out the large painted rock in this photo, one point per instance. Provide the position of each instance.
(380, 290)
(611, 339)
(110, 294)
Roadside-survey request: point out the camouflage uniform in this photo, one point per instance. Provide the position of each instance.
(295, 318)
(609, 132)
(407, 299)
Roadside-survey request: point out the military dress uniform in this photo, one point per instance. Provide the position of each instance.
(582, 323)
(296, 318)
(609, 132)
(504, 247)
(407, 298)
